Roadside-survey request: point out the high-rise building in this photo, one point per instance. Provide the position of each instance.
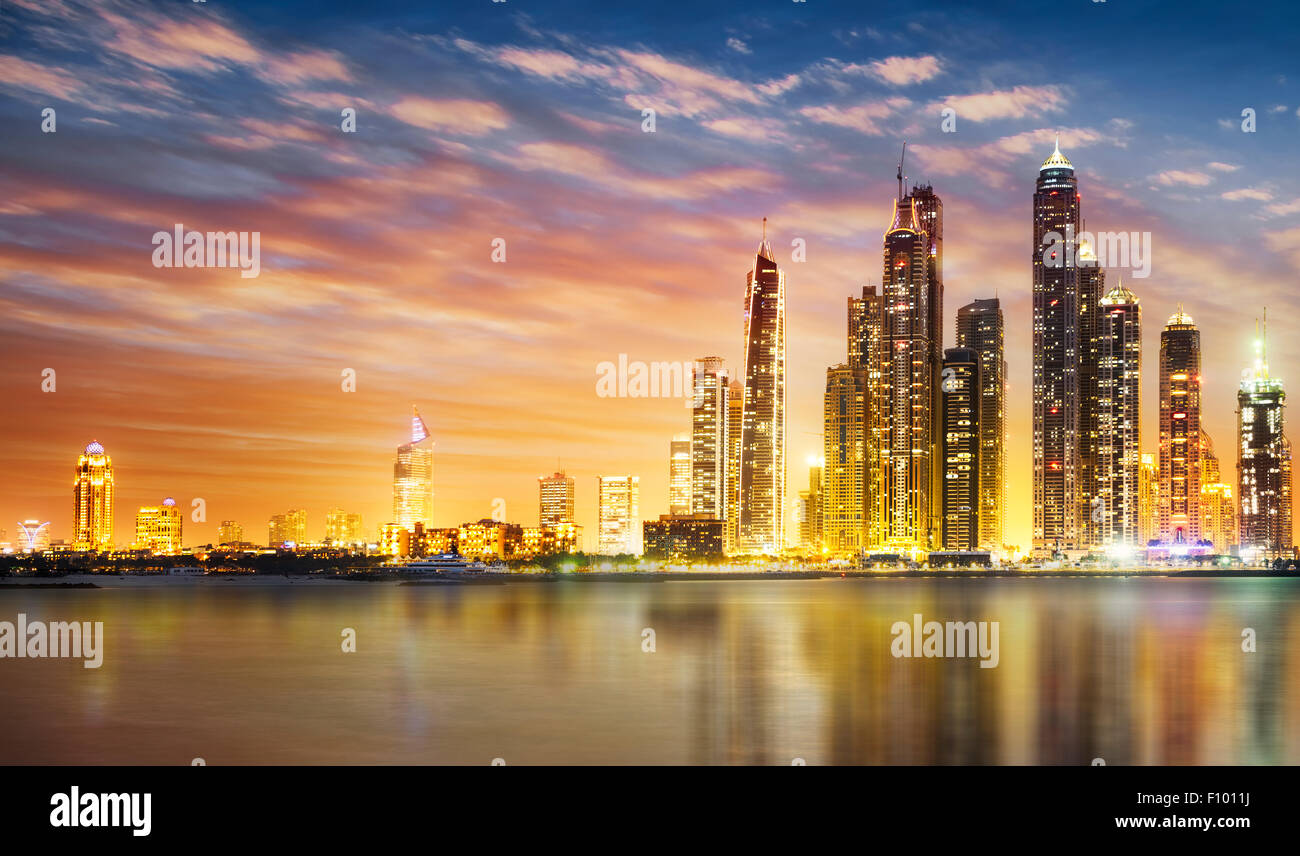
(555, 499)
(906, 406)
(1116, 497)
(710, 438)
(1062, 347)
(980, 328)
(92, 505)
(1180, 431)
(735, 418)
(1218, 511)
(762, 433)
(679, 475)
(1092, 331)
(842, 502)
(343, 527)
(413, 477)
(158, 528)
(866, 355)
(928, 208)
(287, 528)
(33, 536)
(1263, 461)
(619, 526)
(810, 504)
(1148, 500)
(961, 386)
(230, 532)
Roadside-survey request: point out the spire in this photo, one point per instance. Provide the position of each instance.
(901, 158)
(764, 248)
(1057, 160)
(419, 430)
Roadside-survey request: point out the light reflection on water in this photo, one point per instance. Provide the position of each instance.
(1133, 671)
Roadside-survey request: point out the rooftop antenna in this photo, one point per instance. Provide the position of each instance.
(901, 158)
(765, 229)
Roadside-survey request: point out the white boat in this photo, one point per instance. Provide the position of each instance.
(444, 563)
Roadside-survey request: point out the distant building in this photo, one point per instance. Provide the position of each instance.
(287, 528)
(490, 540)
(1180, 431)
(866, 357)
(394, 540)
(158, 528)
(555, 499)
(550, 540)
(1263, 461)
(684, 536)
(343, 528)
(619, 515)
(810, 509)
(1114, 518)
(960, 387)
(980, 328)
(842, 500)
(92, 493)
(413, 477)
(679, 475)
(230, 532)
(33, 536)
(735, 415)
(710, 438)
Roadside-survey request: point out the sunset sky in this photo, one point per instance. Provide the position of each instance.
(522, 120)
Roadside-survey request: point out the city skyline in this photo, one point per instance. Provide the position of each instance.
(287, 437)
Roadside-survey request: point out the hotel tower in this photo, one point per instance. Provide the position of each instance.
(413, 477)
(1263, 460)
(762, 433)
(92, 495)
(1180, 431)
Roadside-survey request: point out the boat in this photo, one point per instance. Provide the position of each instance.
(445, 563)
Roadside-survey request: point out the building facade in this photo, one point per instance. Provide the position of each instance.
(1180, 431)
(683, 537)
(961, 386)
(980, 327)
(1263, 461)
(555, 499)
(230, 532)
(289, 528)
(710, 437)
(679, 475)
(92, 500)
(619, 515)
(413, 477)
(158, 528)
(1116, 497)
(842, 501)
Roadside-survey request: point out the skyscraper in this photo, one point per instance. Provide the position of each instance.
(762, 442)
(710, 438)
(1117, 495)
(343, 527)
(287, 528)
(413, 477)
(842, 499)
(158, 528)
(92, 500)
(1060, 345)
(555, 499)
(1263, 460)
(1148, 500)
(928, 208)
(679, 475)
(961, 387)
(866, 357)
(619, 509)
(1092, 330)
(230, 532)
(1218, 511)
(980, 328)
(1180, 431)
(735, 418)
(908, 375)
(810, 501)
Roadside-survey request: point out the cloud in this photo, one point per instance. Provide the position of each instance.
(1281, 209)
(1258, 194)
(1191, 178)
(17, 73)
(905, 70)
(1222, 167)
(861, 117)
(309, 65)
(452, 115)
(200, 44)
(738, 46)
(1016, 103)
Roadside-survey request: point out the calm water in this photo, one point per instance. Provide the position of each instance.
(1138, 671)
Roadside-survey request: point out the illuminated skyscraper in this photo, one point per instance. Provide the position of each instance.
(735, 417)
(555, 499)
(230, 532)
(1062, 349)
(679, 475)
(710, 438)
(33, 536)
(810, 504)
(908, 375)
(1117, 495)
(1092, 331)
(1180, 431)
(619, 504)
(762, 441)
(1263, 460)
(413, 477)
(960, 386)
(92, 495)
(866, 357)
(928, 208)
(158, 528)
(980, 327)
(287, 528)
(1218, 510)
(842, 501)
(343, 528)
(1148, 500)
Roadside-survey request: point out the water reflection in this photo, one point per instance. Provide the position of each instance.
(1138, 671)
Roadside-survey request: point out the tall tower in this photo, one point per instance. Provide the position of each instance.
(866, 349)
(1148, 500)
(980, 328)
(1218, 511)
(619, 515)
(735, 418)
(842, 481)
(92, 500)
(710, 435)
(928, 209)
(555, 499)
(158, 528)
(1116, 504)
(762, 441)
(1263, 460)
(961, 387)
(907, 406)
(1061, 345)
(413, 477)
(1180, 431)
(679, 475)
